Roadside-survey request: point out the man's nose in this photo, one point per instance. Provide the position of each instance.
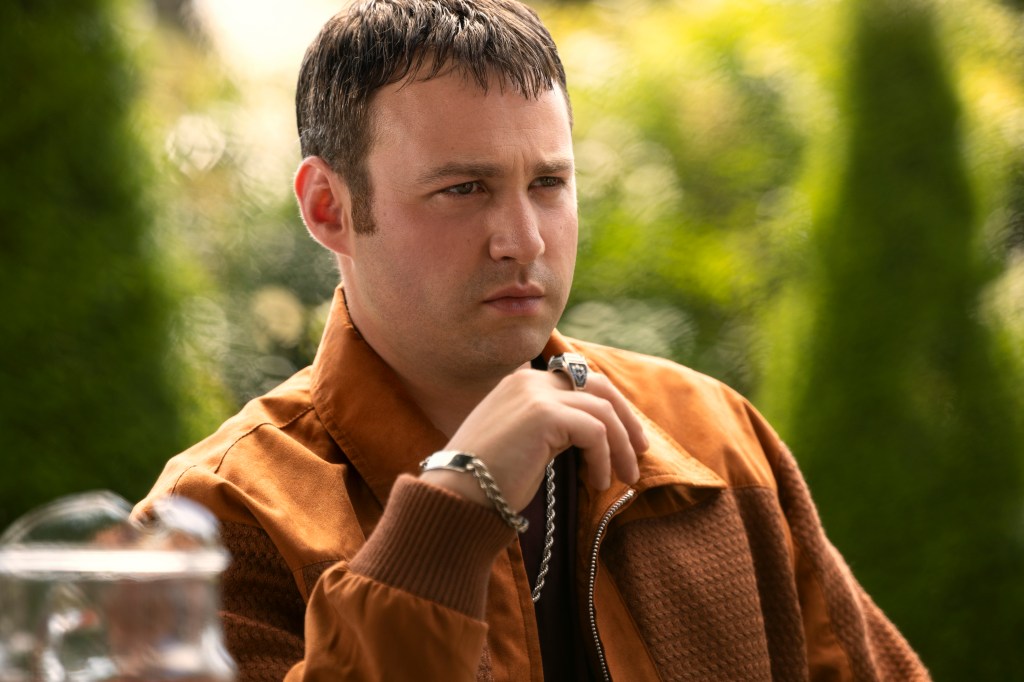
(516, 231)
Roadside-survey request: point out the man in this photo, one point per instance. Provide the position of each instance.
(672, 538)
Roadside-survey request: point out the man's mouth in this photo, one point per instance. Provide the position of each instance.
(516, 291)
(519, 299)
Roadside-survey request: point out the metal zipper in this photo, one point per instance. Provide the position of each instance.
(601, 528)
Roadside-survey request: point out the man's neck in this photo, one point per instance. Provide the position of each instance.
(444, 396)
(446, 402)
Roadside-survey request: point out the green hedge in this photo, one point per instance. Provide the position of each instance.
(87, 398)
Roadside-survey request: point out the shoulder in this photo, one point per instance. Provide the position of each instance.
(657, 383)
(268, 444)
(709, 419)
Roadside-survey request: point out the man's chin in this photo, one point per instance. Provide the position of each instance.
(507, 351)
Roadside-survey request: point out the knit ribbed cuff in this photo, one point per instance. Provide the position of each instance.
(434, 544)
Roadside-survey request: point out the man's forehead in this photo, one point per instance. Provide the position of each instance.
(493, 82)
(450, 98)
(425, 72)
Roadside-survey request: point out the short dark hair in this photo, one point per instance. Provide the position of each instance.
(378, 42)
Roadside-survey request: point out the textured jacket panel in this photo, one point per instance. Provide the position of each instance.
(777, 585)
(262, 611)
(689, 583)
(715, 578)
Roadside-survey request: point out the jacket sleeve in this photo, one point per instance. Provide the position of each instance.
(848, 637)
(407, 605)
(410, 604)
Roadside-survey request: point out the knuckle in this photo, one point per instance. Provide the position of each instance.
(517, 380)
(537, 406)
(517, 377)
(605, 411)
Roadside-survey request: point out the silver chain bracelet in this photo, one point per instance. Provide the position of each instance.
(464, 462)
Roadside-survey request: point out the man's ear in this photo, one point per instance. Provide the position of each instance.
(326, 204)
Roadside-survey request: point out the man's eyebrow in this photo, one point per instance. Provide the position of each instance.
(486, 170)
(458, 170)
(554, 167)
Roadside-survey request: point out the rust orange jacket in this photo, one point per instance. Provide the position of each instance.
(713, 566)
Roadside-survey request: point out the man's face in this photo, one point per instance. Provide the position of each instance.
(474, 201)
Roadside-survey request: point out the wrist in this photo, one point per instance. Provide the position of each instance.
(459, 483)
(462, 463)
(434, 544)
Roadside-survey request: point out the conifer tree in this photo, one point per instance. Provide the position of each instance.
(904, 417)
(86, 393)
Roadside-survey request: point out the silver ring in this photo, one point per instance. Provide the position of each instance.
(572, 365)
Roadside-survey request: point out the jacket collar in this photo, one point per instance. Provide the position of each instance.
(363, 405)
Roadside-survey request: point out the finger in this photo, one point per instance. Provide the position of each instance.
(590, 435)
(622, 455)
(599, 385)
(623, 459)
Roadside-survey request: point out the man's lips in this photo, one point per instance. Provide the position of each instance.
(516, 300)
(524, 291)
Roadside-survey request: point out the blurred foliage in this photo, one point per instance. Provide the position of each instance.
(822, 210)
(255, 288)
(907, 423)
(691, 128)
(88, 394)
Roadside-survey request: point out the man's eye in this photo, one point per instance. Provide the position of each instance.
(463, 189)
(548, 181)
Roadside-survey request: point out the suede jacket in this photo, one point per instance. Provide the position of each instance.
(713, 566)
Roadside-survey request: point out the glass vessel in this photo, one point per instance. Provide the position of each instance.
(88, 594)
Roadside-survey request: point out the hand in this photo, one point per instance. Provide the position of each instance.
(529, 418)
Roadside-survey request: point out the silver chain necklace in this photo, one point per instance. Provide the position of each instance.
(549, 529)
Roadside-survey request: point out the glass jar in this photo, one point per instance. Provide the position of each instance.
(88, 595)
